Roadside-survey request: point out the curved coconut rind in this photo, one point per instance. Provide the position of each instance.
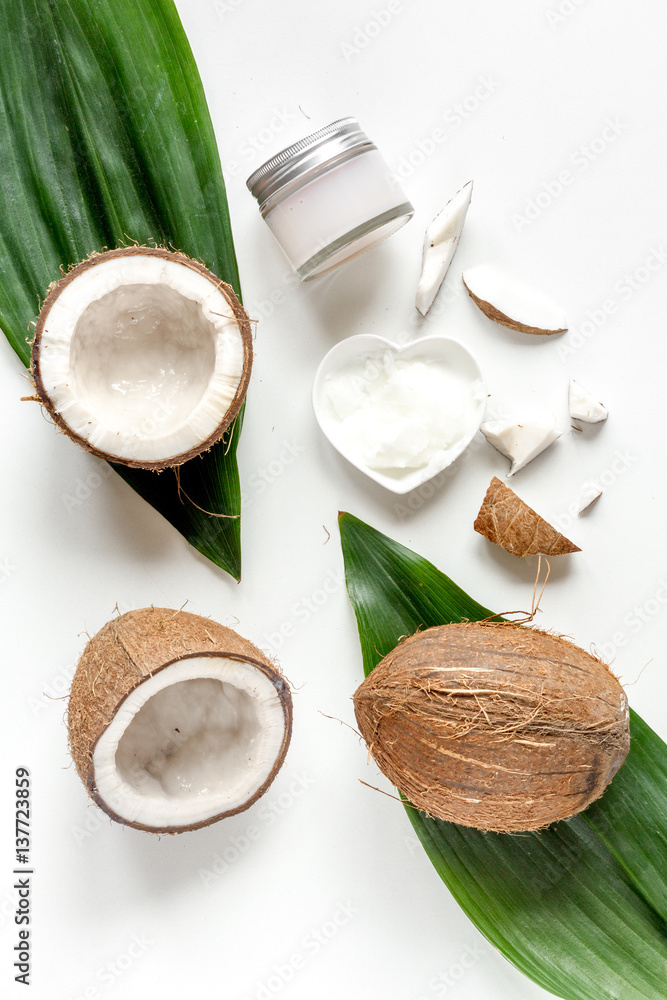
(497, 316)
(493, 725)
(240, 315)
(133, 647)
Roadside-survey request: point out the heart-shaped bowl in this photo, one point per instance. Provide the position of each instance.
(357, 359)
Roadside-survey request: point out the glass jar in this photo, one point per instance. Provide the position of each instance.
(328, 197)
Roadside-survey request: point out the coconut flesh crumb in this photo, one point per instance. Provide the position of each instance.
(590, 492)
(197, 739)
(511, 303)
(583, 406)
(521, 442)
(391, 413)
(440, 242)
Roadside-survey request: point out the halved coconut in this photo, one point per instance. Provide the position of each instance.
(176, 721)
(142, 356)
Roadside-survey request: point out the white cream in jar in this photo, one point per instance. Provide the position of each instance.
(328, 197)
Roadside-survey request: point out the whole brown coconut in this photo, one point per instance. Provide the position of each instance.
(142, 356)
(176, 721)
(494, 726)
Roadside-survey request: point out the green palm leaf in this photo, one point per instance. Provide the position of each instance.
(580, 908)
(106, 139)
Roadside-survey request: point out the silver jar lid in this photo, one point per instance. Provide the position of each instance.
(305, 160)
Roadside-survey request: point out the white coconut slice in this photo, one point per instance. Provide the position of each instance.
(590, 494)
(142, 356)
(176, 721)
(511, 303)
(440, 242)
(520, 442)
(585, 407)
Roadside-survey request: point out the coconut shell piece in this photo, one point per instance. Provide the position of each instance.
(134, 653)
(507, 521)
(511, 303)
(494, 725)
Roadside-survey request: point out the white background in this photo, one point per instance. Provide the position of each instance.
(520, 93)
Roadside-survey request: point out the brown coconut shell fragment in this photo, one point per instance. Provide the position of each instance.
(508, 521)
(494, 725)
(517, 299)
(495, 314)
(131, 650)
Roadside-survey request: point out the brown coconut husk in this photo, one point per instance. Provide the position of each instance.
(56, 289)
(494, 725)
(508, 521)
(130, 649)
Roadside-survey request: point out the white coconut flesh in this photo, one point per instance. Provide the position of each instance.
(521, 442)
(141, 357)
(519, 303)
(197, 739)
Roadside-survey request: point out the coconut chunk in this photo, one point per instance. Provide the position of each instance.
(508, 521)
(440, 242)
(584, 406)
(142, 356)
(511, 303)
(520, 442)
(590, 493)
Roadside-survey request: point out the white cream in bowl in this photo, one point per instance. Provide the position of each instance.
(400, 414)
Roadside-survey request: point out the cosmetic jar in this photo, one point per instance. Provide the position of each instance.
(328, 197)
